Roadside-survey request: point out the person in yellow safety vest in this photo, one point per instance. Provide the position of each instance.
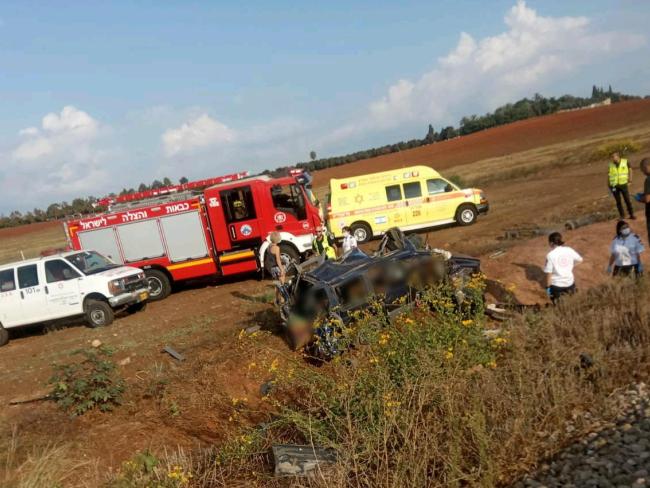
(619, 177)
(323, 244)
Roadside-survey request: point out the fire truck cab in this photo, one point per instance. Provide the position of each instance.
(222, 230)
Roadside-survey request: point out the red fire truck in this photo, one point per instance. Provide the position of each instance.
(220, 230)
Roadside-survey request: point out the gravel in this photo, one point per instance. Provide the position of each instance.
(616, 456)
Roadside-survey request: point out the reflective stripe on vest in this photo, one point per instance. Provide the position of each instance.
(327, 249)
(619, 175)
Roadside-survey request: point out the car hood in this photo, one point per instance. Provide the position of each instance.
(116, 273)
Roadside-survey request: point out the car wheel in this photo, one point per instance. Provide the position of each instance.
(4, 336)
(361, 232)
(466, 215)
(159, 285)
(136, 307)
(98, 313)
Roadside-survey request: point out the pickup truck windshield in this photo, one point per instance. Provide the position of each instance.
(91, 262)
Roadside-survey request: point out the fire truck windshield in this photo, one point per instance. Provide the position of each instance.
(91, 262)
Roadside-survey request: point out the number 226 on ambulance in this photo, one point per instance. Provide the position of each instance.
(409, 198)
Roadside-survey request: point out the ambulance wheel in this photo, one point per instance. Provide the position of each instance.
(4, 336)
(98, 313)
(361, 231)
(466, 214)
(159, 285)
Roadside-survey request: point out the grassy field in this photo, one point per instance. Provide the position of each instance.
(30, 240)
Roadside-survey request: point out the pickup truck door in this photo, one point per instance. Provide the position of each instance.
(62, 289)
(33, 299)
(10, 306)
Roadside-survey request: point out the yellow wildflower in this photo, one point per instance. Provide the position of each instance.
(492, 364)
(449, 355)
(252, 365)
(274, 365)
(467, 322)
(383, 339)
(374, 361)
(242, 334)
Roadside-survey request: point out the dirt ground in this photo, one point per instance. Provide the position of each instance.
(171, 403)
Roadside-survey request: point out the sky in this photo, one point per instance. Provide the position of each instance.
(97, 96)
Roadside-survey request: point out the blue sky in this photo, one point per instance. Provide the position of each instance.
(101, 95)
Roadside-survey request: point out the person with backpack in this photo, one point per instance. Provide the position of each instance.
(625, 252)
(559, 268)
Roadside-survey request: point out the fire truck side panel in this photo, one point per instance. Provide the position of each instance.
(184, 237)
(141, 241)
(103, 241)
(217, 220)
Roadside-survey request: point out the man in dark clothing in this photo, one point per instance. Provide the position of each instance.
(645, 196)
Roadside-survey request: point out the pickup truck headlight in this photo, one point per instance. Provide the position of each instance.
(116, 287)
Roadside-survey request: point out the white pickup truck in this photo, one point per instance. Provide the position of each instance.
(66, 285)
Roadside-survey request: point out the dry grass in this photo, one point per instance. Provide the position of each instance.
(418, 416)
(37, 465)
(30, 240)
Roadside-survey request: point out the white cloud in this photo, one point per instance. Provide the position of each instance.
(198, 133)
(60, 159)
(70, 130)
(532, 52)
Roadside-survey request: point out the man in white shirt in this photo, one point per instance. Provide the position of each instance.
(559, 268)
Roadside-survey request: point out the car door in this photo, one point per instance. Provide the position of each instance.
(395, 214)
(10, 306)
(62, 289)
(441, 200)
(31, 288)
(240, 215)
(414, 212)
(289, 210)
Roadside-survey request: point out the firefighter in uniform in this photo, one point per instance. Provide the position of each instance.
(618, 179)
(323, 244)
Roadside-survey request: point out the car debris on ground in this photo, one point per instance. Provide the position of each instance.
(329, 293)
(296, 460)
(173, 353)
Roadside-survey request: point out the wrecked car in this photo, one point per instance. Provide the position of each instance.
(328, 293)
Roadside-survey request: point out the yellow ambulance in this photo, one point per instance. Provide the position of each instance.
(409, 198)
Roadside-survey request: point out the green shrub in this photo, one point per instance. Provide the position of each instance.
(87, 384)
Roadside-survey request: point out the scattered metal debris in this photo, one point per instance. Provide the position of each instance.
(296, 460)
(38, 398)
(173, 353)
(266, 388)
(498, 253)
(252, 329)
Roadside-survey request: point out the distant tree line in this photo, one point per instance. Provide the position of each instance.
(511, 112)
(78, 206)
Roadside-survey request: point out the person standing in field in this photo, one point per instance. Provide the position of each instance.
(323, 244)
(618, 178)
(273, 261)
(625, 252)
(559, 268)
(349, 241)
(645, 196)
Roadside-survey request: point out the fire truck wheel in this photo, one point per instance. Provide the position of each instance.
(98, 313)
(289, 256)
(4, 336)
(361, 231)
(159, 285)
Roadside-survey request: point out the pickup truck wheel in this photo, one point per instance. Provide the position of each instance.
(4, 336)
(136, 307)
(361, 231)
(98, 313)
(466, 214)
(159, 285)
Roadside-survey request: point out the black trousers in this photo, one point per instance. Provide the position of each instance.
(626, 270)
(558, 291)
(621, 192)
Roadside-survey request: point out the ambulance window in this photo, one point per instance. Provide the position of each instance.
(393, 193)
(27, 276)
(58, 270)
(437, 186)
(289, 199)
(238, 204)
(412, 190)
(7, 280)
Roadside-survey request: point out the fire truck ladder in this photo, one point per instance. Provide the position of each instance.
(167, 191)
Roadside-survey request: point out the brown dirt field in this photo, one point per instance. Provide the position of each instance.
(28, 229)
(502, 140)
(170, 403)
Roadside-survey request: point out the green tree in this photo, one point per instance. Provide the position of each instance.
(312, 155)
(142, 187)
(183, 180)
(167, 182)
